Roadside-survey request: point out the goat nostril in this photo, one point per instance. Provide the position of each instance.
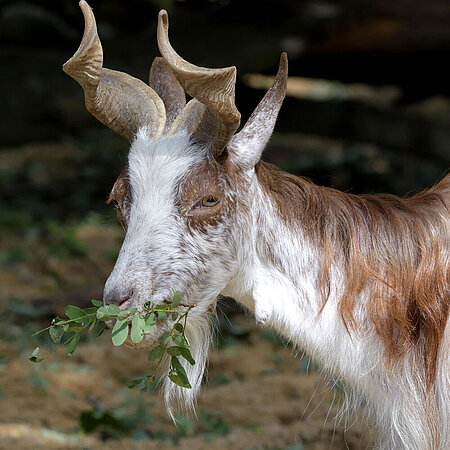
(122, 300)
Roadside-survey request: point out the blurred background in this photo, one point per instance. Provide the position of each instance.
(368, 110)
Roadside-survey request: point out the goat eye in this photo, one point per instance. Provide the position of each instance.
(209, 201)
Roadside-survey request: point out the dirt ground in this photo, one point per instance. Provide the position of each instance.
(257, 394)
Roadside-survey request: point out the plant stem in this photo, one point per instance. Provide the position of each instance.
(184, 315)
(65, 322)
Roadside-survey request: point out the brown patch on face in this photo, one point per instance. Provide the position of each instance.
(120, 197)
(394, 250)
(206, 184)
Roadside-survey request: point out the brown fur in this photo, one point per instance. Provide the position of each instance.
(395, 249)
(120, 197)
(207, 179)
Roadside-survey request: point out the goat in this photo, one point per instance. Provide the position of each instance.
(360, 282)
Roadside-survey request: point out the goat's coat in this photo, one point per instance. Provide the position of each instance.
(360, 282)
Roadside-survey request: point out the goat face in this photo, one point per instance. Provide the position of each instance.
(178, 206)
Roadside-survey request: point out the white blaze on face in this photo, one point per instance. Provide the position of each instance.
(151, 248)
(155, 168)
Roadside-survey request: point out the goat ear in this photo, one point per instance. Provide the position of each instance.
(248, 144)
(162, 80)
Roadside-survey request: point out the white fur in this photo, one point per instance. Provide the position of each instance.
(286, 297)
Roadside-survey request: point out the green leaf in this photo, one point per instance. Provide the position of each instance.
(73, 344)
(120, 332)
(148, 305)
(176, 299)
(73, 312)
(108, 312)
(178, 380)
(91, 316)
(150, 322)
(174, 351)
(162, 306)
(56, 333)
(58, 321)
(156, 353)
(97, 303)
(174, 316)
(74, 328)
(127, 313)
(34, 356)
(162, 315)
(164, 339)
(179, 373)
(98, 329)
(179, 327)
(113, 309)
(137, 326)
(186, 354)
(180, 340)
(93, 324)
(133, 383)
(102, 313)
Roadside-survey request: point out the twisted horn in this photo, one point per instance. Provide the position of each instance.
(212, 87)
(120, 101)
(163, 82)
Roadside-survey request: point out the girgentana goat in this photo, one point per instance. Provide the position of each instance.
(361, 283)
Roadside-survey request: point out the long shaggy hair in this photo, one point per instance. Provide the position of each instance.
(395, 254)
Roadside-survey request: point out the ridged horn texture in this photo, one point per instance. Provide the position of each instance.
(163, 82)
(214, 88)
(120, 101)
(261, 123)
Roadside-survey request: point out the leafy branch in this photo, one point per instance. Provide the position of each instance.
(131, 323)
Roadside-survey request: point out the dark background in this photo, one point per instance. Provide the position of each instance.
(400, 145)
(374, 117)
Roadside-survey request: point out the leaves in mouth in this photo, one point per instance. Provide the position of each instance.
(178, 374)
(156, 353)
(137, 328)
(133, 323)
(119, 333)
(150, 322)
(186, 354)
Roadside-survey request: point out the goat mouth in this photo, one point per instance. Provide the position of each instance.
(125, 304)
(162, 325)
